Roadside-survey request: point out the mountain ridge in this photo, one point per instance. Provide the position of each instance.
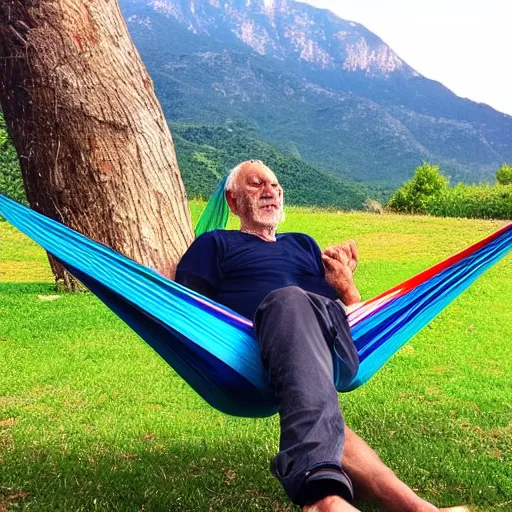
(323, 88)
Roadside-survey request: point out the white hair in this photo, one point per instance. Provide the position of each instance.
(231, 182)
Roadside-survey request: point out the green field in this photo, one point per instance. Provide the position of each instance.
(92, 419)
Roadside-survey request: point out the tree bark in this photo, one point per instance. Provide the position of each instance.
(95, 150)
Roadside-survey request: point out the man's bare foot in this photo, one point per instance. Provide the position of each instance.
(337, 504)
(428, 507)
(330, 504)
(431, 508)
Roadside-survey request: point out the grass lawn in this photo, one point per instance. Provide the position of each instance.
(92, 419)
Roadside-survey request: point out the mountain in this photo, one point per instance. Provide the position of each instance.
(320, 88)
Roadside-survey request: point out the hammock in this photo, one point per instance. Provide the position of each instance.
(212, 347)
(216, 213)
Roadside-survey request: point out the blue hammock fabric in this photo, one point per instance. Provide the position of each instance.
(212, 347)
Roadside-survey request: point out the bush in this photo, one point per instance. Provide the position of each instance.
(473, 201)
(414, 195)
(427, 192)
(504, 175)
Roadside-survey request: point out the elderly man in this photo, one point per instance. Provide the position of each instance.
(297, 296)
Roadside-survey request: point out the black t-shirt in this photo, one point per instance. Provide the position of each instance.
(239, 269)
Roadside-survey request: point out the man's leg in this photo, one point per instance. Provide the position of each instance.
(374, 481)
(296, 335)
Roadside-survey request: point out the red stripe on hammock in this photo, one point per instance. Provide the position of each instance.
(425, 275)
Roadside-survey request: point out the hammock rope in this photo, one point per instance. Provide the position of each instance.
(213, 348)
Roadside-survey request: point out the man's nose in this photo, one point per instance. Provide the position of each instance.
(268, 191)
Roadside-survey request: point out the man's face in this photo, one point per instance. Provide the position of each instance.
(259, 197)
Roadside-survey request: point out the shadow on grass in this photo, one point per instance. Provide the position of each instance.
(26, 288)
(178, 479)
(186, 478)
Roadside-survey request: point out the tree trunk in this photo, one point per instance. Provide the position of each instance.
(94, 148)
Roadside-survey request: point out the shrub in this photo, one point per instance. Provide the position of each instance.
(414, 195)
(504, 175)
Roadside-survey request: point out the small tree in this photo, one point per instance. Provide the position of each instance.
(413, 195)
(504, 175)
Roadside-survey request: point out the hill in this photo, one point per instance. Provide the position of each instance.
(207, 152)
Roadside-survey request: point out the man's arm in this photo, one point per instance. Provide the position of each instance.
(340, 263)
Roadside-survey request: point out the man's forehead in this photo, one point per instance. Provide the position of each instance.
(256, 169)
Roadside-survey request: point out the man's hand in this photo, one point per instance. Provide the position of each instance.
(340, 262)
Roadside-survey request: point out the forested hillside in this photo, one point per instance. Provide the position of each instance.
(207, 152)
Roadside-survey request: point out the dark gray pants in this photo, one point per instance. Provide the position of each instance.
(305, 344)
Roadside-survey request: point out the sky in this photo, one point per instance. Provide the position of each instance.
(464, 44)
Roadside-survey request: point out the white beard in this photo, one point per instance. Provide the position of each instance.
(250, 208)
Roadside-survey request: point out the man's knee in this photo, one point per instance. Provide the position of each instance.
(287, 298)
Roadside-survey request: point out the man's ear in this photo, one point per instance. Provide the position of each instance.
(230, 198)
